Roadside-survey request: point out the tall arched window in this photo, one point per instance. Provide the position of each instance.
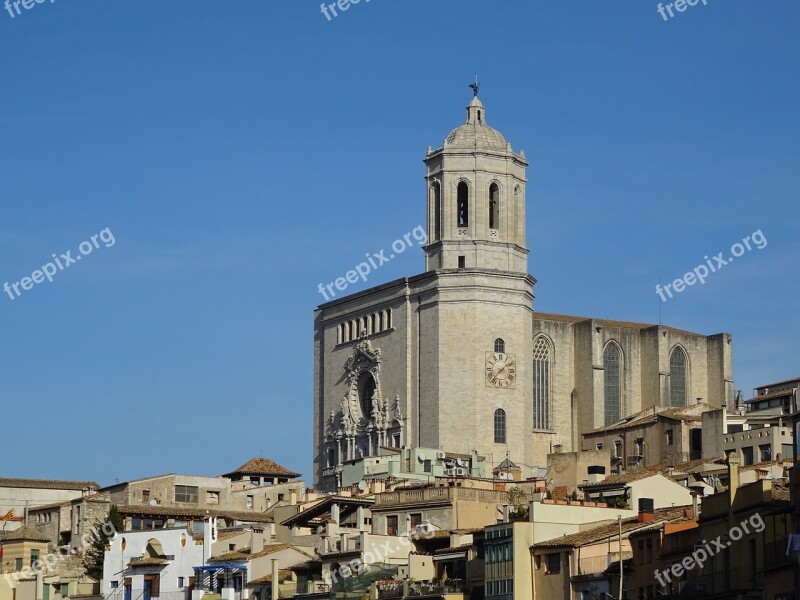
(494, 206)
(541, 383)
(677, 377)
(499, 345)
(436, 201)
(612, 384)
(499, 426)
(462, 204)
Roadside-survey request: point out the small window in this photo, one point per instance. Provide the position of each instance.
(494, 206)
(180, 582)
(114, 584)
(462, 204)
(145, 496)
(281, 497)
(186, 493)
(599, 446)
(231, 547)
(553, 564)
(331, 459)
(499, 345)
(416, 519)
(250, 501)
(34, 557)
(668, 437)
(427, 466)
(212, 497)
(462, 262)
(391, 525)
(499, 426)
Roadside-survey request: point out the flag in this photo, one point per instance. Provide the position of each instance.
(9, 515)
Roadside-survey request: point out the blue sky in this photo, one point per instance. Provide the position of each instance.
(243, 152)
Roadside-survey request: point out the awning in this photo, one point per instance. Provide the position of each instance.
(221, 566)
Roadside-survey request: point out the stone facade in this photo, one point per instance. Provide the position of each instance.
(457, 359)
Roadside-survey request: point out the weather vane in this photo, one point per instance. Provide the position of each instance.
(475, 86)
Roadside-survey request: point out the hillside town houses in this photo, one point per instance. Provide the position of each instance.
(466, 447)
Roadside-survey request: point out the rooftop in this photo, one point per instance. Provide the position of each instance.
(263, 467)
(47, 484)
(597, 534)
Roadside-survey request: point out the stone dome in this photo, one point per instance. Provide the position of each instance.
(475, 133)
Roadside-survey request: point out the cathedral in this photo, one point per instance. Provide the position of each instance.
(457, 358)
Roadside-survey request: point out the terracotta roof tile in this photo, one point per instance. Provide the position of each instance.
(193, 513)
(47, 484)
(264, 467)
(596, 534)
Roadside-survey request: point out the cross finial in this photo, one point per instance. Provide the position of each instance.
(475, 87)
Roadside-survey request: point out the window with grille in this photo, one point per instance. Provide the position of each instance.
(612, 367)
(541, 383)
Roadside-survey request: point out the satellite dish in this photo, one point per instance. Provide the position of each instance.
(362, 485)
(153, 502)
(422, 457)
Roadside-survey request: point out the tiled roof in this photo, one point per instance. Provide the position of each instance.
(264, 467)
(649, 415)
(194, 513)
(245, 553)
(596, 534)
(772, 394)
(48, 506)
(27, 533)
(150, 560)
(47, 484)
(283, 575)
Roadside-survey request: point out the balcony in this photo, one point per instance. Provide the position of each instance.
(443, 494)
(419, 589)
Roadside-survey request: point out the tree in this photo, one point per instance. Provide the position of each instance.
(98, 540)
(518, 499)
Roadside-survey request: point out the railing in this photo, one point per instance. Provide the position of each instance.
(775, 554)
(440, 494)
(729, 581)
(394, 590)
(451, 586)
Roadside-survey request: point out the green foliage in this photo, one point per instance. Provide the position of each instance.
(621, 503)
(98, 540)
(518, 500)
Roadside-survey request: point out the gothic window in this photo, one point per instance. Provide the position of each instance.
(677, 377)
(436, 194)
(541, 383)
(499, 345)
(499, 426)
(462, 204)
(366, 389)
(494, 206)
(612, 384)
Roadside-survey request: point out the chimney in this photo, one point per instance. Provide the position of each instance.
(335, 513)
(695, 512)
(646, 510)
(531, 506)
(256, 541)
(275, 578)
(733, 474)
(209, 535)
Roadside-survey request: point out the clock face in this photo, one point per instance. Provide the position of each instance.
(501, 372)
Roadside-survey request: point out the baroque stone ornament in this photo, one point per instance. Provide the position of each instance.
(366, 420)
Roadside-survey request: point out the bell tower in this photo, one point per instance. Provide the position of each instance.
(476, 199)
